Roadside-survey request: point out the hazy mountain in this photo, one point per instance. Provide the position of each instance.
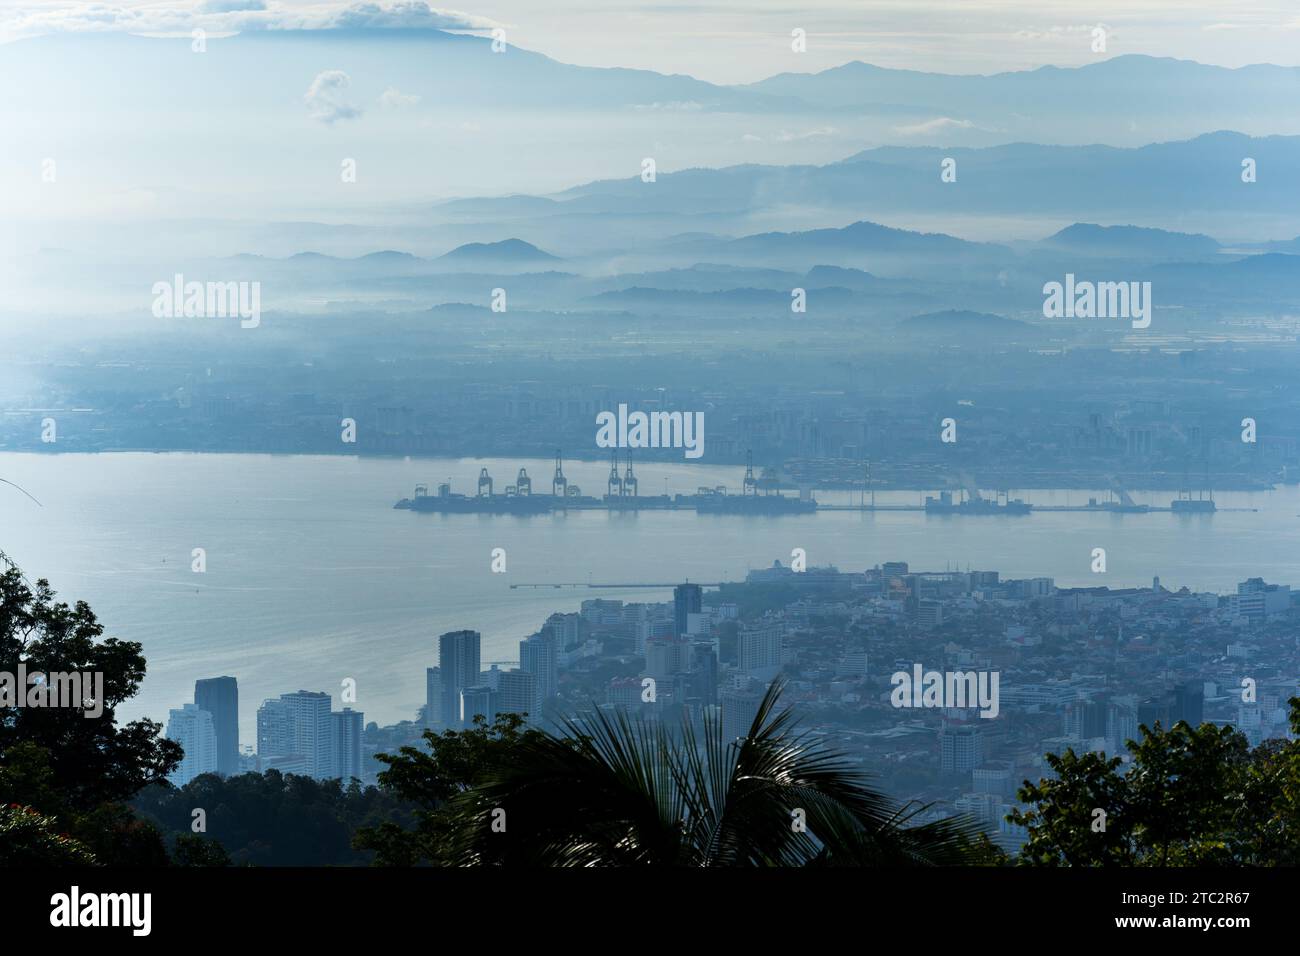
(423, 115)
(429, 64)
(1162, 183)
(1270, 282)
(508, 253)
(1288, 246)
(849, 245)
(773, 301)
(966, 328)
(1122, 86)
(1131, 241)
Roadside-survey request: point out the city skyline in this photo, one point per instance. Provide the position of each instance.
(859, 438)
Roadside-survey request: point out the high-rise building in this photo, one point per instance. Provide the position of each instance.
(346, 727)
(759, 650)
(852, 663)
(687, 599)
(1256, 600)
(566, 629)
(192, 728)
(433, 698)
(480, 700)
(1153, 710)
(1121, 727)
(297, 724)
(961, 746)
(598, 611)
(517, 693)
(219, 696)
(539, 655)
(274, 729)
(458, 661)
(1188, 703)
(1087, 719)
(311, 714)
(739, 708)
(1184, 702)
(704, 673)
(929, 613)
(665, 658)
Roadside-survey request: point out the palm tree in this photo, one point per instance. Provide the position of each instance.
(612, 791)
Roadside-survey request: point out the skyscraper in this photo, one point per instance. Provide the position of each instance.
(433, 698)
(759, 649)
(192, 728)
(1188, 703)
(704, 673)
(961, 746)
(539, 656)
(297, 724)
(458, 661)
(274, 733)
(739, 708)
(517, 693)
(687, 599)
(346, 726)
(219, 696)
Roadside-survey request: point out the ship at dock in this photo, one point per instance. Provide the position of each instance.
(1194, 498)
(758, 496)
(716, 504)
(517, 499)
(1119, 502)
(969, 501)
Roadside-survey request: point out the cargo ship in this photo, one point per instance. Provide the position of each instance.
(761, 496)
(754, 504)
(517, 500)
(945, 505)
(1119, 507)
(448, 503)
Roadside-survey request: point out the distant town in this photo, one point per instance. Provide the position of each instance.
(1078, 668)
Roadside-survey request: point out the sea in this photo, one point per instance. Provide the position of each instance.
(312, 577)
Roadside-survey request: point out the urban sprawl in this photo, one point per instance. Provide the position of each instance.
(1078, 668)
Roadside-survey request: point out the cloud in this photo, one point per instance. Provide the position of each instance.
(327, 97)
(394, 99)
(939, 124)
(405, 15)
(674, 106)
(179, 17)
(229, 6)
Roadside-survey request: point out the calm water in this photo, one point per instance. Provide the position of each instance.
(312, 577)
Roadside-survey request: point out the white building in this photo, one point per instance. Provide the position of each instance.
(194, 730)
(759, 650)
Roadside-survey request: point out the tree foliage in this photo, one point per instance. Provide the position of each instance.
(269, 819)
(455, 761)
(93, 760)
(1189, 796)
(612, 790)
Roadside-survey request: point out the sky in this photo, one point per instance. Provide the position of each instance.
(740, 41)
